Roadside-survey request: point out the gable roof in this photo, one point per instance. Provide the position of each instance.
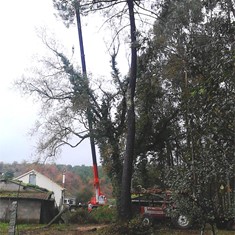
(26, 186)
(27, 195)
(26, 191)
(37, 173)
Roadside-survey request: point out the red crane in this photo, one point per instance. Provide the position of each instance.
(99, 198)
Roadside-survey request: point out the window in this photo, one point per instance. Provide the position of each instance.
(32, 178)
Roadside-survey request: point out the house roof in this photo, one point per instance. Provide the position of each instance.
(26, 191)
(27, 195)
(28, 186)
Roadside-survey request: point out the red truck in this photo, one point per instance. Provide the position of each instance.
(158, 205)
(155, 205)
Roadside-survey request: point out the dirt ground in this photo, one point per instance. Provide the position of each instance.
(67, 230)
(92, 230)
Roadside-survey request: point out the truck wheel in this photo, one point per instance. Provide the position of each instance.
(147, 221)
(182, 222)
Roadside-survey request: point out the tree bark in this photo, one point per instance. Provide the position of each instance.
(125, 204)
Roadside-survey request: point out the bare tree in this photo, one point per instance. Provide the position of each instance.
(73, 95)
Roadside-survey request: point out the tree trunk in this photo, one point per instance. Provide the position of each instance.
(125, 203)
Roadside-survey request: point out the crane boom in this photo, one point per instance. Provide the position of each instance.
(99, 198)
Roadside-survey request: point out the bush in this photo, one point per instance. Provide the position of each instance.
(80, 216)
(104, 214)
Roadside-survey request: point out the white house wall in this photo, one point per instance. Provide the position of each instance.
(44, 182)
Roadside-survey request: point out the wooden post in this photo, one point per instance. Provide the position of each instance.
(13, 217)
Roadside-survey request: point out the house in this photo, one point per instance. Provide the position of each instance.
(33, 177)
(34, 204)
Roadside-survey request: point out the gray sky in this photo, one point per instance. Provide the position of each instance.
(19, 21)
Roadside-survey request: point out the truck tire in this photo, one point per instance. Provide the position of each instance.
(182, 222)
(147, 221)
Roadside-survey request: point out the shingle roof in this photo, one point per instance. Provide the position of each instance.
(26, 195)
(26, 191)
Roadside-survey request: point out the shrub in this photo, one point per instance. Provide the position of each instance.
(81, 216)
(104, 214)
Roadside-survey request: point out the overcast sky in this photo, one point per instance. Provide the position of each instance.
(19, 43)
